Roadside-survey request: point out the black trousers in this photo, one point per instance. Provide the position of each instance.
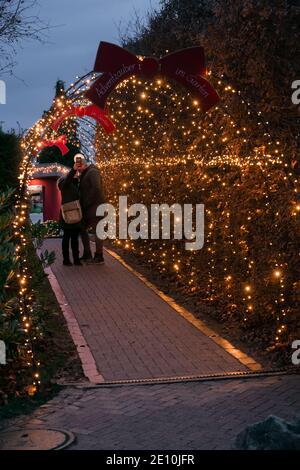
(73, 235)
(86, 240)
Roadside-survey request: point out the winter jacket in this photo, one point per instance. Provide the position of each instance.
(69, 190)
(91, 193)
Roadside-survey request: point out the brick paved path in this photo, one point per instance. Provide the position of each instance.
(132, 332)
(194, 415)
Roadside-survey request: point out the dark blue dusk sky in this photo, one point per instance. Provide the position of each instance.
(70, 50)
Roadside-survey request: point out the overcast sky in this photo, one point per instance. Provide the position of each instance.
(70, 51)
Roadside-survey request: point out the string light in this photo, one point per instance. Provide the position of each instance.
(186, 156)
(30, 146)
(164, 146)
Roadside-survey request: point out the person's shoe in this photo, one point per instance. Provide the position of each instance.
(78, 263)
(67, 263)
(86, 257)
(98, 259)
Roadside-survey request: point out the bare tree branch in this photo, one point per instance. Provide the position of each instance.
(18, 23)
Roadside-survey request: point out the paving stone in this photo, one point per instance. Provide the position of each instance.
(191, 415)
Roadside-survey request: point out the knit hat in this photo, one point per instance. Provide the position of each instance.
(82, 157)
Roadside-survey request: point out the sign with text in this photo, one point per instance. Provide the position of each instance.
(186, 67)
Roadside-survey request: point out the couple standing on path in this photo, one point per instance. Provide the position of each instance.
(81, 193)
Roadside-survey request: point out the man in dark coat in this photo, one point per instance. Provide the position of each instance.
(69, 189)
(91, 196)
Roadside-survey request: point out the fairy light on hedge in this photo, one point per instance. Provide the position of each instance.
(22, 275)
(30, 146)
(174, 136)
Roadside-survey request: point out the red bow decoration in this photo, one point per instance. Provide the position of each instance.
(60, 142)
(186, 66)
(100, 115)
